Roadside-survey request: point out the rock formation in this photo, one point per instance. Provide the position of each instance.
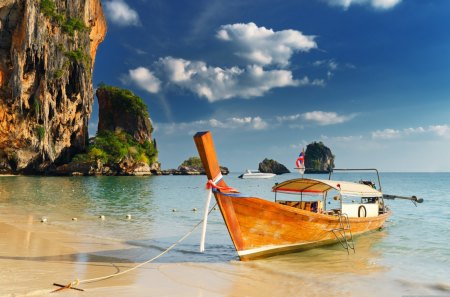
(120, 109)
(272, 166)
(192, 166)
(124, 144)
(47, 53)
(318, 158)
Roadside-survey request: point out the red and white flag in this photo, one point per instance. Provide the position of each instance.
(300, 163)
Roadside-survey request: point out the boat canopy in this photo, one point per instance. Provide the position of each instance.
(318, 186)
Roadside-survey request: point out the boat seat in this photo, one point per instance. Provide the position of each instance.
(313, 206)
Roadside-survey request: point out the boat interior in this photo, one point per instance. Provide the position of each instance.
(331, 201)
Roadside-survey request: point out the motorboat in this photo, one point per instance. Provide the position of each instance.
(256, 174)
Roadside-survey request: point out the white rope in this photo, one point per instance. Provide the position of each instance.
(77, 282)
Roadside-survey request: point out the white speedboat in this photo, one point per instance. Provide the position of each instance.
(256, 174)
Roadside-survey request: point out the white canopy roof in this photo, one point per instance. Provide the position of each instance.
(318, 186)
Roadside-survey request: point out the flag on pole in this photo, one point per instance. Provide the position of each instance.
(300, 163)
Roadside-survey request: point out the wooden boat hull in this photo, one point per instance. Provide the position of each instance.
(261, 228)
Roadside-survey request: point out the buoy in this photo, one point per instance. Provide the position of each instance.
(128, 217)
(101, 217)
(43, 220)
(74, 219)
(194, 209)
(215, 208)
(174, 209)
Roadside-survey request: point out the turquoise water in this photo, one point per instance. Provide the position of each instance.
(410, 256)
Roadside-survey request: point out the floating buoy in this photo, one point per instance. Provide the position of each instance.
(44, 220)
(101, 217)
(128, 217)
(174, 209)
(194, 209)
(215, 208)
(74, 219)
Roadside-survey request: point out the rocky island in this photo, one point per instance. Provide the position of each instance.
(318, 158)
(272, 166)
(123, 144)
(192, 166)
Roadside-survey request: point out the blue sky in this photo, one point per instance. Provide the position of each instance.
(368, 78)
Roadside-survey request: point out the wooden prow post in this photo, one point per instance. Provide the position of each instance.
(207, 153)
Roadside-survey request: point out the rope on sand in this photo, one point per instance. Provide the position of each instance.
(91, 280)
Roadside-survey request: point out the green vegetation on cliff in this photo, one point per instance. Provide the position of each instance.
(68, 25)
(113, 147)
(126, 99)
(48, 8)
(193, 162)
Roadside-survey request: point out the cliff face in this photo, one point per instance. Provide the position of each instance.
(318, 158)
(47, 53)
(124, 136)
(120, 109)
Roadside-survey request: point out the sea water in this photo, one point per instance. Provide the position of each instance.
(410, 256)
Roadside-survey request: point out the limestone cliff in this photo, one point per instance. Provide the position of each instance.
(121, 109)
(47, 53)
(123, 144)
(318, 158)
(125, 115)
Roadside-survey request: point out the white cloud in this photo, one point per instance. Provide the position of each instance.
(386, 134)
(350, 138)
(293, 117)
(438, 130)
(330, 64)
(259, 46)
(144, 79)
(216, 83)
(119, 13)
(255, 123)
(247, 123)
(320, 117)
(377, 4)
(262, 46)
(441, 130)
(92, 127)
(326, 118)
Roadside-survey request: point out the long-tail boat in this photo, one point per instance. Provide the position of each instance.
(261, 228)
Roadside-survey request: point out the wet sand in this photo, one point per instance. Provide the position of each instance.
(34, 255)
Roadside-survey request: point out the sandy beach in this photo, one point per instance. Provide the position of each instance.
(33, 255)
